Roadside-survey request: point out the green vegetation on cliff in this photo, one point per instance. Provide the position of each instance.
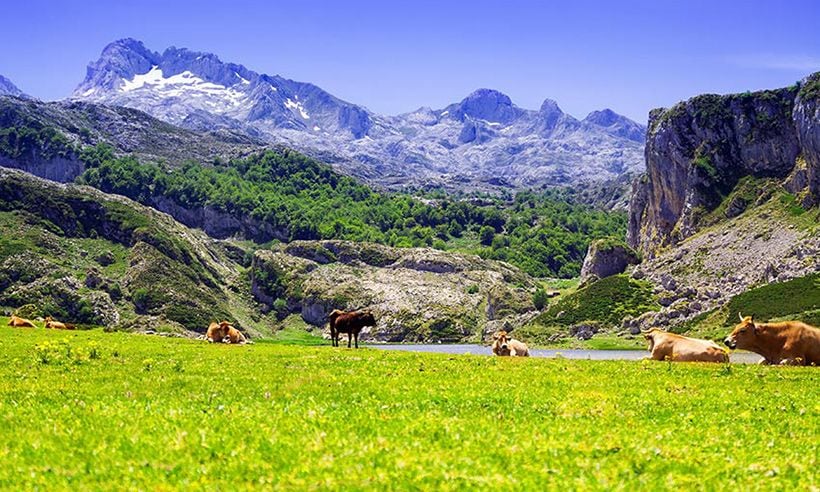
(85, 257)
(542, 233)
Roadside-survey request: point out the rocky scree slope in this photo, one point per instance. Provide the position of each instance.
(416, 294)
(483, 140)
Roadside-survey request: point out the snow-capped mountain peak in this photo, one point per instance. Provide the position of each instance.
(481, 138)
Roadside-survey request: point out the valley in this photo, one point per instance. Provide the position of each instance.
(274, 239)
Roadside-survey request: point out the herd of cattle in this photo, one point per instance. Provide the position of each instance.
(788, 342)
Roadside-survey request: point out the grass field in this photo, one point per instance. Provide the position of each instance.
(94, 410)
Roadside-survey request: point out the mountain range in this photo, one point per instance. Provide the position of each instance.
(483, 140)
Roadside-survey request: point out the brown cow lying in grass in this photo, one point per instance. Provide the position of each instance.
(349, 322)
(20, 322)
(788, 342)
(504, 346)
(51, 323)
(669, 346)
(224, 332)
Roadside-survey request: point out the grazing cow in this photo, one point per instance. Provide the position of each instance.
(20, 322)
(504, 346)
(788, 342)
(349, 322)
(51, 323)
(669, 346)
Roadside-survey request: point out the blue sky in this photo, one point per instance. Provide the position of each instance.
(394, 56)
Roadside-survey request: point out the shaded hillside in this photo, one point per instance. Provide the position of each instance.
(88, 257)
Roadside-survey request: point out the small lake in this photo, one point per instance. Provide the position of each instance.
(465, 348)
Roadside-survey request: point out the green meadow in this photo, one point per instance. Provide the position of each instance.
(90, 410)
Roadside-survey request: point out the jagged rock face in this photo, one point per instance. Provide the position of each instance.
(697, 151)
(416, 294)
(605, 258)
(7, 88)
(807, 121)
(480, 142)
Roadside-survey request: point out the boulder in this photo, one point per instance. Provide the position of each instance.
(606, 257)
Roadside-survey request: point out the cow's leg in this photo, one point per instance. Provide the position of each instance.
(349, 338)
(356, 337)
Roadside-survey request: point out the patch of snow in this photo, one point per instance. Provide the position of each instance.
(243, 79)
(316, 128)
(274, 88)
(89, 92)
(185, 85)
(153, 76)
(290, 104)
(445, 113)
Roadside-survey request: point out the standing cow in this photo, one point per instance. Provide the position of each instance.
(670, 346)
(349, 322)
(788, 342)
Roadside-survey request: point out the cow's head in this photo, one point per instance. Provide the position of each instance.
(502, 340)
(743, 335)
(367, 318)
(650, 337)
(48, 319)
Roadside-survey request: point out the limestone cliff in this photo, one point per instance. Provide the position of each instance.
(699, 150)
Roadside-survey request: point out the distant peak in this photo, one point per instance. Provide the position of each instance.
(604, 117)
(490, 94)
(490, 105)
(616, 124)
(8, 88)
(549, 106)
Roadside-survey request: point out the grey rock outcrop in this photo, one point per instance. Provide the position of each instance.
(606, 257)
(417, 294)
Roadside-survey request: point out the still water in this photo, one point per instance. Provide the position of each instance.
(736, 357)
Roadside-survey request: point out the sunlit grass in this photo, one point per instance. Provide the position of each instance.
(125, 412)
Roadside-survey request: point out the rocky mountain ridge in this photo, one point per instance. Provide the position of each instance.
(7, 88)
(483, 140)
